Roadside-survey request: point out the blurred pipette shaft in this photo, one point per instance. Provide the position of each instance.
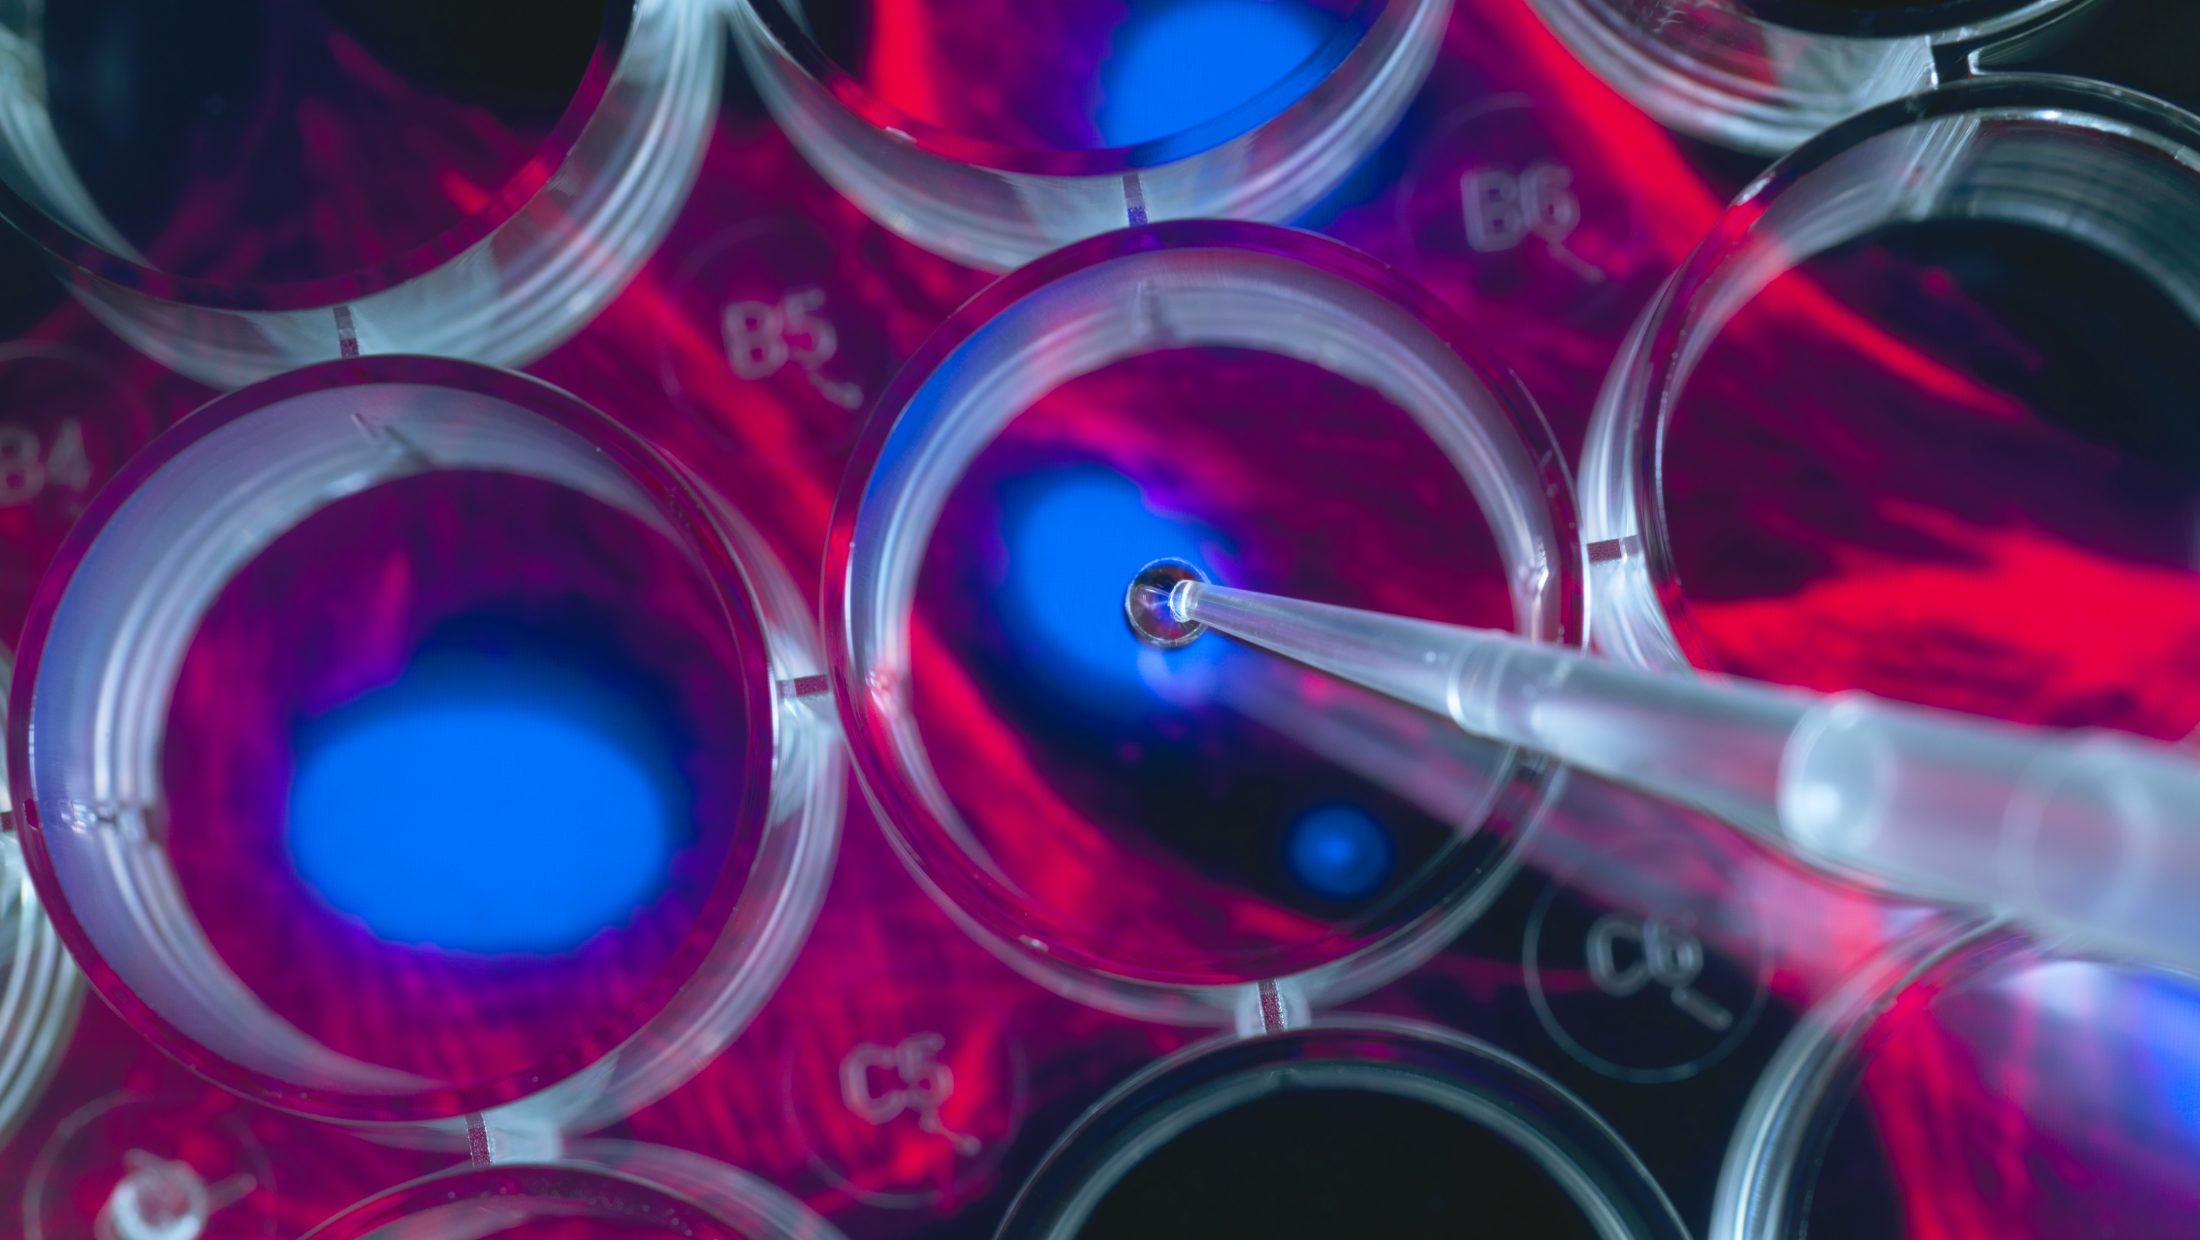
(2093, 833)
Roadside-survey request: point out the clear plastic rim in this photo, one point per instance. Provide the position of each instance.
(1840, 60)
(892, 495)
(783, 25)
(40, 988)
(607, 1180)
(1764, 1182)
(1636, 588)
(551, 252)
(71, 249)
(996, 206)
(1940, 19)
(786, 827)
(1405, 1058)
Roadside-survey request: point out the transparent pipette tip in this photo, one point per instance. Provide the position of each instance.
(1151, 604)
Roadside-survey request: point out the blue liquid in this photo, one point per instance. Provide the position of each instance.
(1076, 75)
(486, 806)
(1340, 852)
(1073, 537)
(1172, 68)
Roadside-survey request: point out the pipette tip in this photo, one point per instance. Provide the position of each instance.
(1150, 604)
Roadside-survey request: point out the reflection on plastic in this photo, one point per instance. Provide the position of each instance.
(170, 1167)
(165, 1199)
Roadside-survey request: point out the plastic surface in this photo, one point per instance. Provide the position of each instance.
(2045, 512)
(138, 1166)
(40, 987)
(997, 203)
(1515, 1105)
(119, 748)
(612, 1190)
(520, 265)
(1902, 1106)
(1090, 905)
(1765, 75)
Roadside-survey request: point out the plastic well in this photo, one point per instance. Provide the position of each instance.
(248, 572)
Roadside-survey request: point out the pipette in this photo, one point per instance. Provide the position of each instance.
(2090, 833)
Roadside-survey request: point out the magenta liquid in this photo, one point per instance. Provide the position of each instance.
(452, 770)
(1953, 463)
(256, 141)
(1192, 811)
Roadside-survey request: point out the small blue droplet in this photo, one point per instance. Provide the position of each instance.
(1340, 852)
